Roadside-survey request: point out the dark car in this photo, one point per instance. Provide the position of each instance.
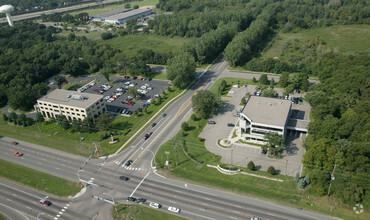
(141, 200)
(45, 202)
(154, 124)
(164, 115)
(124, 178)
(132, 199)
(128, 163)
(211, 122)
(264, 151)
(230, 124)
(15, 143)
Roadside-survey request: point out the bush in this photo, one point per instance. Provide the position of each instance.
(296, 177)
(251, 165)
(193, 117)
(185, 126)
(106, 36)
(5, 118)
(271, 170)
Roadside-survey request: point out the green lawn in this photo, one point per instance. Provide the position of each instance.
(99, 10)
(131, 43)
(138, 212)
(38, 180)
(68, 141)
(342, 38)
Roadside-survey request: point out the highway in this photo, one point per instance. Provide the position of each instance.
(195, 202)
(34, 15)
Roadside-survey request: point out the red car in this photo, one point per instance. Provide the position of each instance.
(15, 143)
(147, 136)
(45, 202)
(18, 154)
(65, 83)
(129, 103)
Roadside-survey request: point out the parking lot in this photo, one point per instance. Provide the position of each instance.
(117, 98)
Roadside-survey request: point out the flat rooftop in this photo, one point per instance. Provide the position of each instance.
(111, 13)
(70, 98)
(128, 14)
(266, 110)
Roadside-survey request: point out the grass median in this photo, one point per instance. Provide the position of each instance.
(140, 212)
(38, 180)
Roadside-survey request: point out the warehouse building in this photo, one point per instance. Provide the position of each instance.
(71, 104)
(120, 16)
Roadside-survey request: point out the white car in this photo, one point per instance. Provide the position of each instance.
(143, 87)
(150, 88)
(106, 98)
(131, 85)
(119, 89)
(155, 205)
(92, 84)
(231, 92)
(174, 209)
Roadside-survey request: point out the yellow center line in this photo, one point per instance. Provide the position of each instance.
(180, 111)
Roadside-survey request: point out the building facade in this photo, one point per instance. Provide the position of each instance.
(71, 104)
(263, 115)
(121, 15)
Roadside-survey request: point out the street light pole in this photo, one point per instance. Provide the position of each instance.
(114, 204)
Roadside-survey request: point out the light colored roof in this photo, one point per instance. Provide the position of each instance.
(70, 98)
(128, 14)
(110, 13)
(266, 110)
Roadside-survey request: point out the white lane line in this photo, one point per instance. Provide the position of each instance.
(140, 183)
(8, 199)
(192, 213)
(57, 168)
(28, 207)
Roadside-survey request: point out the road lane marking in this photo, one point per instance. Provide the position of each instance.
(140, 183)
(192, 213)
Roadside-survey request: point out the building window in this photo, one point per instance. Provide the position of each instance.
(72, 109)
(77, 110)
(73, 113)
(83, 111)
(78, 114)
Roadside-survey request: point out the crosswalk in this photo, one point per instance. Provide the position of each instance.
(130, 168)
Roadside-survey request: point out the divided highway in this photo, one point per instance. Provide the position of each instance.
(195, 202)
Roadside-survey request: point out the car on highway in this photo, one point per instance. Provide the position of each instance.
(18, 154)
(131, 199)
(174, 209)
(164, 115)
(211, 122)
(230, 124)
(141, 200)
(255, 218)
(146, 136)
(124, 178)
(128, 163)
(15, 143)
(155, 205)
(153, 124)
(45, 202)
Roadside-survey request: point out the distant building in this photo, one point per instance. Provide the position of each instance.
(262, 115)
(71, 104)
(120, 15)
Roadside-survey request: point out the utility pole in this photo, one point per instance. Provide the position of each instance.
(332, 178)
(175, 147)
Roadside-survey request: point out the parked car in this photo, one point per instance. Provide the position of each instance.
(155, 205)
(18, 154)
(230, 124)
(131, 199)
(264, 151)
(211, 122)
(45, 202)
(174, 209)
(141, 200)
(130, 103)
(128, 163)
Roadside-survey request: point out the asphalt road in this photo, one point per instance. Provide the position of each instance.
(196, 202)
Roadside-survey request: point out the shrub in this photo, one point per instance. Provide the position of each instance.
(271, 170)
(251, 165)
(106, 36)
(296, 177)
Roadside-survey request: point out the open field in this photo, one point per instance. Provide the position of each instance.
(140, 212)
(38, 180)
(131, 43)
(346, 39)
(99, 10)
(53, 136)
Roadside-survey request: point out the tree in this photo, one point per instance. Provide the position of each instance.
(63, 122)
(263, 79)
(284, 79)
(106, 71)
(275, 143)
(128, 5)
(270, 93)
(251, 166)
(103, 120)
(297, 177)
(13, 117)
(76, 124)
(181, 70)
(22, 120)
(272, 82)
(39, 117)
(135, 7)
(87, 125)
(106, 35)
(254, 80)
(271, 170)
(5, 118)
(204, 103)
(184, 126)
